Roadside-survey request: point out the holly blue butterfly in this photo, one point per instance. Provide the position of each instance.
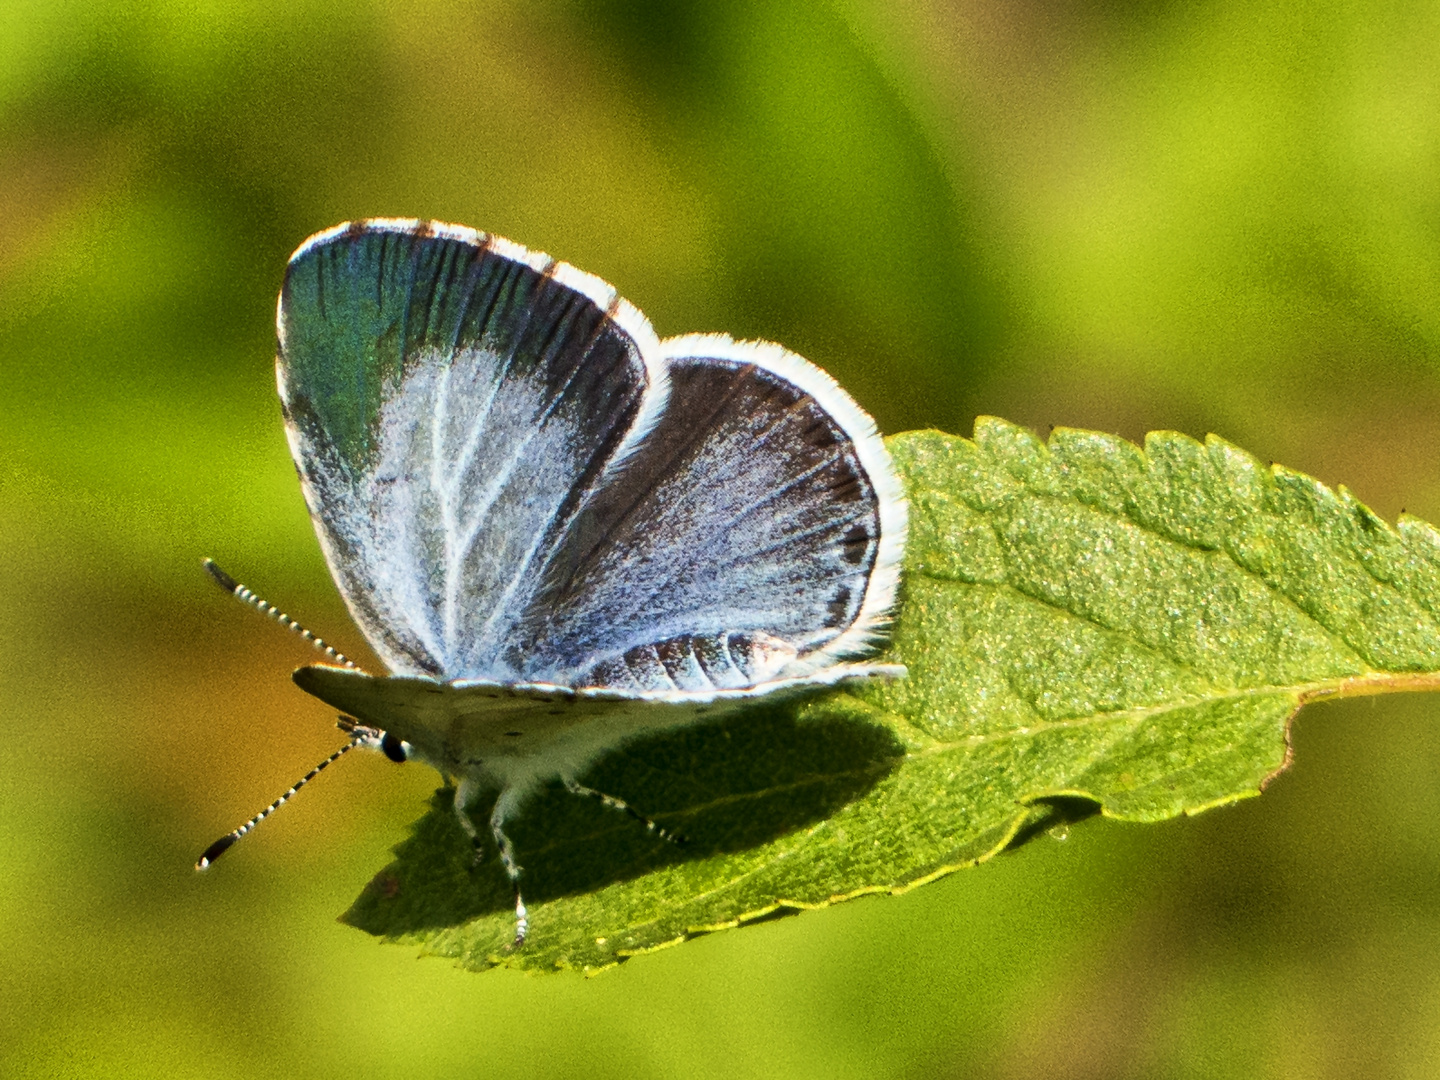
(557, 531)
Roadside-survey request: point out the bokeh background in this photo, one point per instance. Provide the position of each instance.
(1217, 215)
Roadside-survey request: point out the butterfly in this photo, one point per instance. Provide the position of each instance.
(557, 531)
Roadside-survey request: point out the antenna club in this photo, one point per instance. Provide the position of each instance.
(215, 850)
(224, 580)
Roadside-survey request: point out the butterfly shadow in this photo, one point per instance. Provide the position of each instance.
(726, 786)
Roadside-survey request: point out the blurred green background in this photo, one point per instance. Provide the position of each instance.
(1220, 215)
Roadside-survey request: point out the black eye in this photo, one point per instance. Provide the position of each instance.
(393, 748)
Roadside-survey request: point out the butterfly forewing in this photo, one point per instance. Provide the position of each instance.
(452, 400)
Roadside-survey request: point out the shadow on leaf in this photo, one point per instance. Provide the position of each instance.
(1053, 814)
(726, 786)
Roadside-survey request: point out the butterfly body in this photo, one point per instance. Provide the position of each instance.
(513, 736)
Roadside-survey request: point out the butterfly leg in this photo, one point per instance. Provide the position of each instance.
(613, 803)
(507, 856)
(464, 794)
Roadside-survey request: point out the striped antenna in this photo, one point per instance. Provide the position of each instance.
(230, 585)
(359, 736)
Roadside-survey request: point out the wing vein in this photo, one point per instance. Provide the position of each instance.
(482, 414)
(543, 533)
(444, 497)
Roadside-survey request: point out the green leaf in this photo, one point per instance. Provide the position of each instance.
(1087, 626)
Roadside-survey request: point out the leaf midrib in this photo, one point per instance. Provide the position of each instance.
(1371, 682)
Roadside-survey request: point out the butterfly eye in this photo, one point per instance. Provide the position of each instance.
(394, 749)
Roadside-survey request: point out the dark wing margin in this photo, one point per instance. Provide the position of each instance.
(451, 400)
(754, 535)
